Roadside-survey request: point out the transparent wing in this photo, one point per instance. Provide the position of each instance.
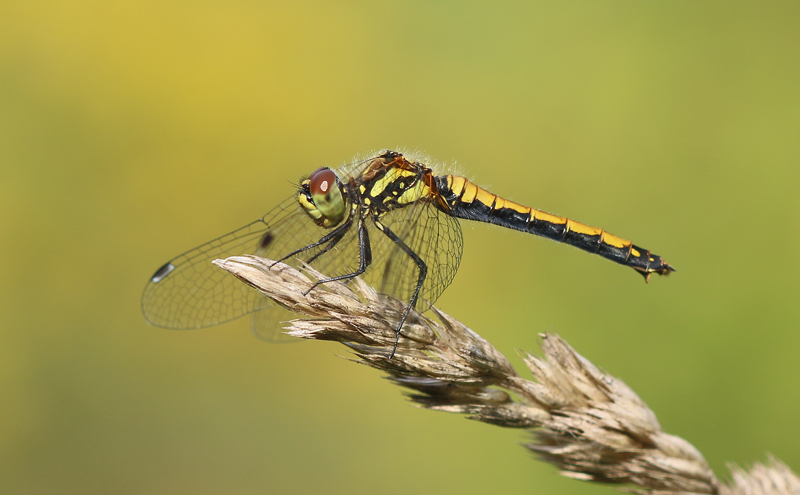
(433, 235)
(190, 292)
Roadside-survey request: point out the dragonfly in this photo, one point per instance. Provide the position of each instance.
(388, 219)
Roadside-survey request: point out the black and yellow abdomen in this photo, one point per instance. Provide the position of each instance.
(466, 200)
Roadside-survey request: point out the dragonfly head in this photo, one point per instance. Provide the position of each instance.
(321, 197)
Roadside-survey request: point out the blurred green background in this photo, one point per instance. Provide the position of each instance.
(132, 131)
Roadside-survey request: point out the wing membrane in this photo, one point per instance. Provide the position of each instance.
(434, 236)
(190, 292)
(196, 294)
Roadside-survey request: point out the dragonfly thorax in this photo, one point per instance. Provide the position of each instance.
(321, 198)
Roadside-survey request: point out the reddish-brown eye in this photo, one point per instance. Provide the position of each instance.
(321, 181)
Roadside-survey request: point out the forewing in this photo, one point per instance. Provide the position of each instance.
(190, 292)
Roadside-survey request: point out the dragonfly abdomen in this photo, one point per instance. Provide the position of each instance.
(466, 200)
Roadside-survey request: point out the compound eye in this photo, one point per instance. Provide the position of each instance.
(326, 205)
(321, 182)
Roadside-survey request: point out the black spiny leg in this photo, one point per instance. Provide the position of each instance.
(336, 234)
(327, 248)
(365, 258)
(423, 274)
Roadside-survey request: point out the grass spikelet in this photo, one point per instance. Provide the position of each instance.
(588, 424)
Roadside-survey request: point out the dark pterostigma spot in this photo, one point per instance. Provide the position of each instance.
(162, 272)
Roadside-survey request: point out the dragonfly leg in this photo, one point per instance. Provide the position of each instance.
(335, 234)
(423, 274)
(333, 242)
(365, 259)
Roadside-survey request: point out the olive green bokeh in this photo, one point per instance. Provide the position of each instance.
(132, 131)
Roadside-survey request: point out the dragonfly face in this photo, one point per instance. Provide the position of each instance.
(321, 198)
(387, 219)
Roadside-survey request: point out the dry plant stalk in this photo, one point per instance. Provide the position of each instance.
(587, 423)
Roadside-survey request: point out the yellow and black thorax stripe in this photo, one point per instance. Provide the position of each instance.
(391, 182)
